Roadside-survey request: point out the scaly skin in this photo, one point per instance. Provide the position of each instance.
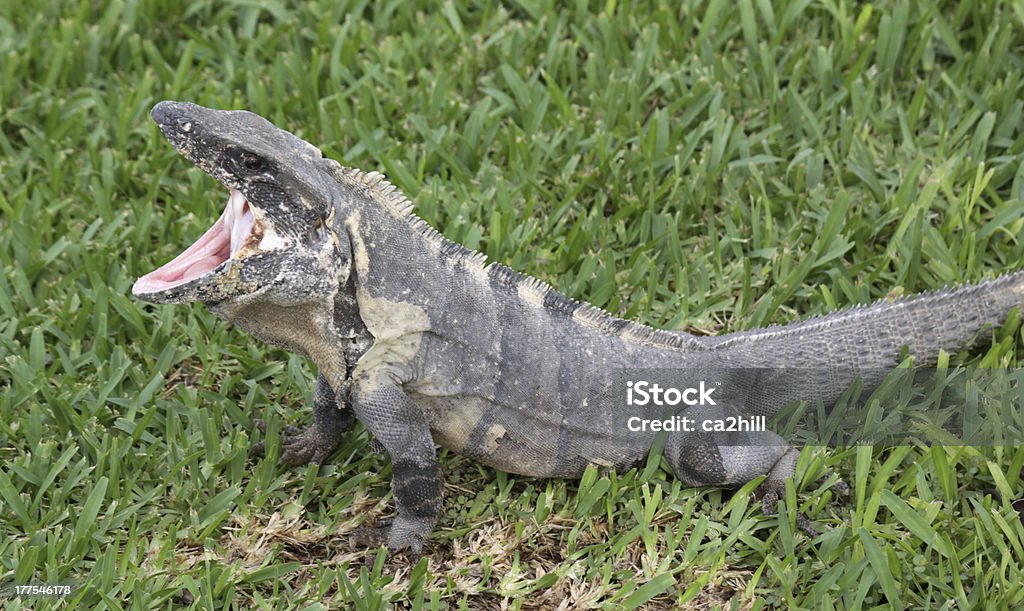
(435, 347)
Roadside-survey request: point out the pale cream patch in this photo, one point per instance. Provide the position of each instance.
(384, 319)
(389, 356)
(452, 418)
(330, 218)
(272, 241)
(479, 273)
(492, 437)
(329, 252)
(397, 327)
(388, 320)
(359, 254)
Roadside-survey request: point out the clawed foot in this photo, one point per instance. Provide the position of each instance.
(840, 489)
(398, 534)
(299, 446)
(773, 489)
(770, 492)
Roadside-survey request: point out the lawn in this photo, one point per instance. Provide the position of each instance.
(703, 166)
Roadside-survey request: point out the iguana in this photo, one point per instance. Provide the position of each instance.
(426, 344)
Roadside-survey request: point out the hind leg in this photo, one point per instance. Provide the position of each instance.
(710, 459)
(774, 486)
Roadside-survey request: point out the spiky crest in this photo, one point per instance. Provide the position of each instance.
(379, 190)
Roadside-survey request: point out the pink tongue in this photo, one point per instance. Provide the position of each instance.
(202, 266)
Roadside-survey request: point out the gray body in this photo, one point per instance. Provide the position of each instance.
(426, 344)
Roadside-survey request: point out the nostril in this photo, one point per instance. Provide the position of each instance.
(184, 125)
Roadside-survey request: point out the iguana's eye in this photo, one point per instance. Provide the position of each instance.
(251, 163)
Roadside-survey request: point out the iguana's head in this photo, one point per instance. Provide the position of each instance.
(273, 239)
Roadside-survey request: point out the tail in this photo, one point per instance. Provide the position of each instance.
(874, 336)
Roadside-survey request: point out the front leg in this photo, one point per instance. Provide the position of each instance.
(416, 482)
(316, 442)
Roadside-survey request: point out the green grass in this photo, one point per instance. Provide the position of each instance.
(713, 167)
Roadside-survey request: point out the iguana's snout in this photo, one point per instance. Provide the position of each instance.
(274, 215)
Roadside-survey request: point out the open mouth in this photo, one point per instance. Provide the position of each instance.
(216, 246)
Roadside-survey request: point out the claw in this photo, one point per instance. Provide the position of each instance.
(770, 492)
(370, 536)
(298, 446)
(841, 491)
(396, 534)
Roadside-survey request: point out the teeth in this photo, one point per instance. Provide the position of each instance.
(237, 215)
